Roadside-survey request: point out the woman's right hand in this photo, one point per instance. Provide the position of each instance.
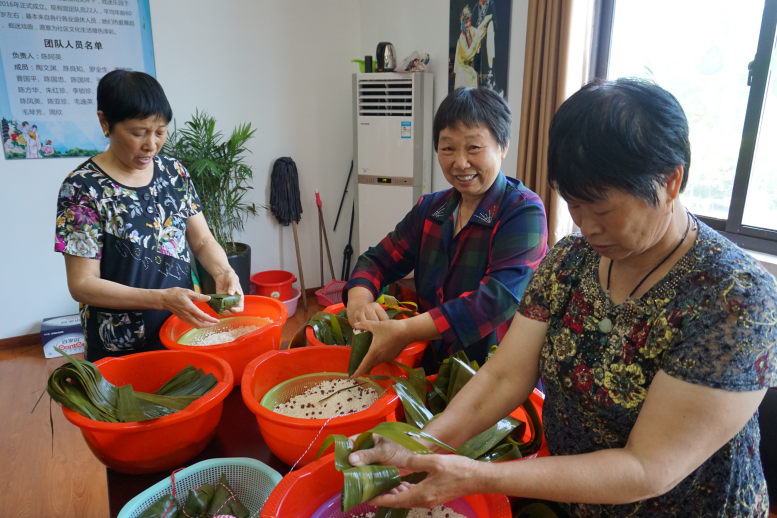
(178, 301)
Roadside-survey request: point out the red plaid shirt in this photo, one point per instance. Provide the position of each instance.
(470, 284)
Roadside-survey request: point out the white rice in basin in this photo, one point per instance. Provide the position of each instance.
(308, 405)
(215, 337)
(437, 512)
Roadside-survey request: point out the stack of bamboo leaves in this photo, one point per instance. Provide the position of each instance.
(79, 386)
(503, 441)
(331, 329)
(203, 502)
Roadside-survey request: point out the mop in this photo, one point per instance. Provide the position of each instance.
(286, 206)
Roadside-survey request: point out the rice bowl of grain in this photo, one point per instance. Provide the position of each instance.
(237, 339)
(290, 434)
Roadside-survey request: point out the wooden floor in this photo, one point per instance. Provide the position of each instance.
(63, 479)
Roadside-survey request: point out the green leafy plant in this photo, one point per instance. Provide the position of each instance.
(219, 172)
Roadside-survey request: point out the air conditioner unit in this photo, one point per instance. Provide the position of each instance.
(393, 150)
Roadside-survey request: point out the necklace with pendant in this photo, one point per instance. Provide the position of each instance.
(606, 324)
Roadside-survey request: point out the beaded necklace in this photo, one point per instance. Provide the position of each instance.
(606, 324)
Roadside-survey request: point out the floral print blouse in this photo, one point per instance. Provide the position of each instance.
(710, 321)
(138, 235)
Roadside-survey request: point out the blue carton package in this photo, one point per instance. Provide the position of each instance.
(64, 333)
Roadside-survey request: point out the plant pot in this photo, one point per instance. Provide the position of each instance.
(240, 262)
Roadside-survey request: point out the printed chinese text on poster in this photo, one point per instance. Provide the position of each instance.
(52, 56)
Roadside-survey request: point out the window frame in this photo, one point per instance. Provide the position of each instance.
(751, 238)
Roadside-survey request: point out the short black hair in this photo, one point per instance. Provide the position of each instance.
(123, 95)
(628, 134)
(474, 107)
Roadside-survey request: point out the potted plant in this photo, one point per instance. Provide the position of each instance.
(222, 179)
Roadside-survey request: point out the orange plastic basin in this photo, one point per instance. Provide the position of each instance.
(163, 443)
(410, 356)
(289, 437)
(302, 492)
(245, 348)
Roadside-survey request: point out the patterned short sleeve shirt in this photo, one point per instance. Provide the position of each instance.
(712, 320)
(139, 236)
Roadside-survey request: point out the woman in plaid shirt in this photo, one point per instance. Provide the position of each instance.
(473, 247)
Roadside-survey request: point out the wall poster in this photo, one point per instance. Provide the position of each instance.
(52, 55)
(479, 44)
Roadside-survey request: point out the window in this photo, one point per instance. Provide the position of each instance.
(717, 58)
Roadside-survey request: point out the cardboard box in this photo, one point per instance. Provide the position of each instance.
(64, 333)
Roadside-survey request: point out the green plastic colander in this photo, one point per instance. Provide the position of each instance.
(252, 481)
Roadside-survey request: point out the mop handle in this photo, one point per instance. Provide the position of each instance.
(318, 200)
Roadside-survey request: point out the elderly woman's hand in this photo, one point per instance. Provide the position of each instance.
(366, 312)
(449, 477)
(228, 282)
(385, 451)
(388, 340)
(178, 301)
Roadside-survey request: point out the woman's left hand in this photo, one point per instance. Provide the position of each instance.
(450, 477)
(228, 282)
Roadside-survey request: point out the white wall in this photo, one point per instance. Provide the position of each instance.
(283, 66)
(423, 26)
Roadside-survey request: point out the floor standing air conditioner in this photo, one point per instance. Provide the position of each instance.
(393, 150)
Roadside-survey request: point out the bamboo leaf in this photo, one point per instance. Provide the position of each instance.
(165, 506)
(128, 406)
(364, 483)
(342, 450)
(359, 347)
(484, 441)
(394, 431)
(198, 499)
(223, 301)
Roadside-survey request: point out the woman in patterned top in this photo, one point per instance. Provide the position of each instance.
(124, 218)
(653, 335)
(472, 248)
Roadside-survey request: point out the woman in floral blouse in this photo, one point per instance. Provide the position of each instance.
(653, 335)
(124, 218)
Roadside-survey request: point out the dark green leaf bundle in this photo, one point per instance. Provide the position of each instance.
(203, 502)
(222, 302)
(79, 386)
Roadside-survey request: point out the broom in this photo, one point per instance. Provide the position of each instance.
(286, 206)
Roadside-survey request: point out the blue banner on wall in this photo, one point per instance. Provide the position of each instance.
(52, 55)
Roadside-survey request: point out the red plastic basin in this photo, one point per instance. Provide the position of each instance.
(410, 356)
(302, 492)
(274, 283)
(157, 444)
(289, 437)
(245, 348)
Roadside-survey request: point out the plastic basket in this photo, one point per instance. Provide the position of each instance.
(245, 348)
(330, 294)
(251, 480)
(163, 443)
(304, 492)
(293, 439)
(331, 509)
